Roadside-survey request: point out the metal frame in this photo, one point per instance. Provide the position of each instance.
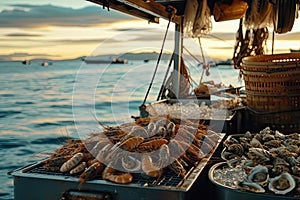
(149, 10)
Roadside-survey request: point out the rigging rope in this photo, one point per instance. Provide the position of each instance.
(162, 88)
(158, 60)
(203, 58)
(192, 55)
(273, 39)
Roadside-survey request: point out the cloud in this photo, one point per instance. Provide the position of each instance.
(23, 35)
(33, 16)
(19, 55)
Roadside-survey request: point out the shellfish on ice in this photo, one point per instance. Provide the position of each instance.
(282, 184)
(259, 174)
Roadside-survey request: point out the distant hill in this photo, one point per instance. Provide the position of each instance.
(133, 56)
(145, 56)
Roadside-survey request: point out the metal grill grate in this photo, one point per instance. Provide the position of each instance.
(169, 179)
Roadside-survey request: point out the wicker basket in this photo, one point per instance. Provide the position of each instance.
(272, 82)
(285, 122)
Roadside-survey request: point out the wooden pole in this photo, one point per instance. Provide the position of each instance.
(178, 56)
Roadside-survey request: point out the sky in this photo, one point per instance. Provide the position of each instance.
(56, 29)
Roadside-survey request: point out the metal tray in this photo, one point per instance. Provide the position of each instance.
(222, 192)
(31, 183)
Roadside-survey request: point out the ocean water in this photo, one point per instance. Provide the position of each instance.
(41, 107)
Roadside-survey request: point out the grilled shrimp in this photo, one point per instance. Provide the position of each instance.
(78, 168)
(91, 172)
(153, 144)
(110, 174)
(164, 156)
(131, 143)
(149, 168)
(72, 162)
(178, 168)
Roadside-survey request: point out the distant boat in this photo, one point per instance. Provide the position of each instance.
(294, 50)
(225, 62)
(95, 60)
(146, 60)
(26, 62)
(45, 64)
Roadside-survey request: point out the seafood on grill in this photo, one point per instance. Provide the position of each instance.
(110, 174)
(130, 163)
(91, 172)
(149, 167)
(79, 168)
(151, 146)
(178, 168)
(72, 162)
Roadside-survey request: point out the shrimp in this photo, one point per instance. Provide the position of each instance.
(99, 145)
(149, 168)
(91, 172)
(104, 152)
(151, 128)
(131, 143)
(72, 162)
(136, 131)
(78, 168)
(110, 174)
(153, 144)
(164, 156)
(177, 167)
(130, 164)
(54, 164)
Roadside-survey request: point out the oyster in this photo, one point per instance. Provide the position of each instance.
(236, 149)
(294, 136)
(282, 184)
(279, 135)
(248, 134)
(255, 143)
(225, 155)
(252, 187)
(272, 144)
(259, 174)
(259, 155)
(267, 137)
(296, 171)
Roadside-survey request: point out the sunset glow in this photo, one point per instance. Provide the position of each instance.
(73, 29)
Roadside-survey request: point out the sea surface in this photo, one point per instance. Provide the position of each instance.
(41, 107)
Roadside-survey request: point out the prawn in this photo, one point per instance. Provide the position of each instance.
(110, 174)
(72, 162)
(131, 143)
(153, 144)
(149, 168)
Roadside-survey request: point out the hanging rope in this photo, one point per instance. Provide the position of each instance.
(273, 39)
(192, 55)
(203, 58)
(158, 60)
(163, 86)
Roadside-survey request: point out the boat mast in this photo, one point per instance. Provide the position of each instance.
(178, 55)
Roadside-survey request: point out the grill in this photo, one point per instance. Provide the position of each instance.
(34, 182)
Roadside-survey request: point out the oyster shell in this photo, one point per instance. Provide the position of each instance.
(252, 187)
(236, 149)
(259, 174)
(279, 135)
(259, 155)
(255, 143)
(282, 184)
